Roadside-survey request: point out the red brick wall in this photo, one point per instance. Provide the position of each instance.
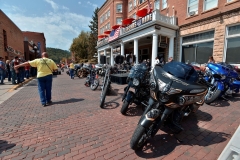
(14, 37)
(180, 8)
(36, 37)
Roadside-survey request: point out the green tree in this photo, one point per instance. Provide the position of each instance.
(80, 46)
(93, 37)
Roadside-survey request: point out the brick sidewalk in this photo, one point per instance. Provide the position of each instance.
(75, 127)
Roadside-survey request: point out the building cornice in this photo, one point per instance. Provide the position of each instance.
(218, 17)
(103, 5)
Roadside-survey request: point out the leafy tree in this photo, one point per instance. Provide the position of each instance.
(93, 34)
(80, 46)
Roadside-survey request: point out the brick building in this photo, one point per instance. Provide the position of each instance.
(11, 40)
(188, 30)
(34, 44)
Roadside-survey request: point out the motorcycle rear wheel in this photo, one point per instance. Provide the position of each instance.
(216, 93)
(139, 138)
(103, 95)
(124, 107)
(95, 84)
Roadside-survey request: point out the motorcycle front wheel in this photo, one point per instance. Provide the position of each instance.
(103, 95)
(212, 95)
(139, 138)
(124, 107)
(95, 84)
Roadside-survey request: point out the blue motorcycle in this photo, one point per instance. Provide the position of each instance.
(221, 81)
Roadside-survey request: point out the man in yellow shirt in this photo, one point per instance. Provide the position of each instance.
(45, 67)
(71, 66)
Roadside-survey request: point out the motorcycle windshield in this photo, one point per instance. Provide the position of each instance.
(181, 70)
(138, 71)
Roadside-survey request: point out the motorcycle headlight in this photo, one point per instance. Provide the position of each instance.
(135, 82)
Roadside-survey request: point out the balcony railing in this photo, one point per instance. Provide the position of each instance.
(154, 16)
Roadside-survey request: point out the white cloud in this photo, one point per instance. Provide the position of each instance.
(92, 4)
(59, 28)
(65, 8)
(53, 4)
(79, 2)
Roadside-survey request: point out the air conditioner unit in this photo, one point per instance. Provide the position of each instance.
(191, 13)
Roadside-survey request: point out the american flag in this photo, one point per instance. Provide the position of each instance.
(114, 34)
(149, 7)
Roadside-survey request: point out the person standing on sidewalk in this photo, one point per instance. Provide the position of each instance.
(71, 66)
(26, 74)
(2, 70)
(14, 72)
(45, 68)
(8, 70)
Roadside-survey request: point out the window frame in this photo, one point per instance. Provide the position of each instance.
(191, 6)
(142, 1)
(204, 5)
(119, 4)
(130, 6)
(158, 4)
(5, 44)
(164, 3)
(227, 36)
(134, 3)
(117, 20)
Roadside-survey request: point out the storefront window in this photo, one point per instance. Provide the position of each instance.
(199, 52)
(198, 47)
(233, 45)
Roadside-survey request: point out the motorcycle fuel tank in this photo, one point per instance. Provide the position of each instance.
(218, 69)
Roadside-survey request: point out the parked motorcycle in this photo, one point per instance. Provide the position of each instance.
(221, 81)
(138, 79)
(174, 94)
(106, 87)
(83, 71)
(92, 80)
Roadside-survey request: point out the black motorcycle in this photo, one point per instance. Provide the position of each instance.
(138, 79)
(92, 80)
(174, 93)
(106, 87)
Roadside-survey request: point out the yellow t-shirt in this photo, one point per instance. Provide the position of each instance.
(71, 65)
(42, 68)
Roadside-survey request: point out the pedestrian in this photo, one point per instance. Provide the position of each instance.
(71, 67)
(2, 70)
(170, 59)
(45, 68)
(13, 71)
(211, 60)
(156, 61)
(8, 70)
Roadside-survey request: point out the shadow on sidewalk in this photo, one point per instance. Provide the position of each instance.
(4, 146)
(72, 100)
(225, 102)
(164, 143)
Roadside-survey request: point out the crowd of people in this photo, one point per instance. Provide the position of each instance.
(13, 75)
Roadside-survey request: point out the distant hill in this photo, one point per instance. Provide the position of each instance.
(57, 55)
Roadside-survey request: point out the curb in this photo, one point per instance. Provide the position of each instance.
(20, 84)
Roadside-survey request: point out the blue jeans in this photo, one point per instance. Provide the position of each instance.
(45, 88)
(72, 73)
(2, 76)
(9, 75)
(14, 76)
(27, 74)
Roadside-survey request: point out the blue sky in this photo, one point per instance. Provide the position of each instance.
(59, 20)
